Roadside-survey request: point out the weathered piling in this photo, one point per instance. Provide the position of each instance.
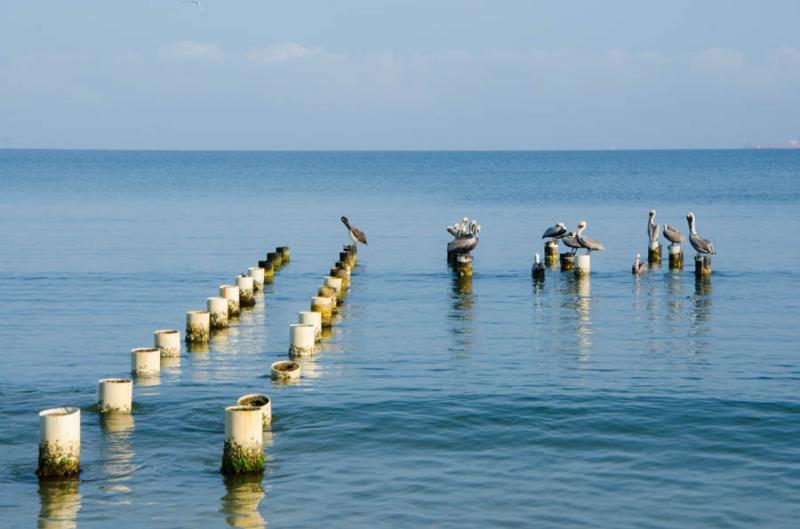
(285, 371)
(583, 265)
(551, 253)
(231, 293)
(114, 395)
(323, 305)
(302, 338)
(336, 284)
(198, 326)
(702, 265)
(344, 275)
(258, 400)
(59, 443)
(284, 253)
(329, 292)
(243, 452)
(463, 266)
(567, 260)
(218, 312)
(247, 297)
(269, 271)
(537, 270)
(275, 259)
(654, 253)
(145, 361)
(675, 257)
(312, 318)
(257, 274)
(168, 341)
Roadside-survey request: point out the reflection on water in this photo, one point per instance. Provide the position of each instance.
(700, 315)
(581, 288)
(117, 430)
(172, 363)
(60, 502)
(675, 295)
(461, 314)
(240, 503)
(197, 348)
(309, 367)
(147, 381)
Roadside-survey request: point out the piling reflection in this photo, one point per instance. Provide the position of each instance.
(145, 381)
(117, 430)
(675, 295)
(59, 503)
(583, 305)
(197, 348)
(461, 313)
(700, 314)
(241, 501)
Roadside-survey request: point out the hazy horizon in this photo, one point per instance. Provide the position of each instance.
(467, 75)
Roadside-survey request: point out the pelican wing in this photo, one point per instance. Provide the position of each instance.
(570, 241)
(453, 230)
(673, 235)
(652, 232)
(554, 231)
(591, 244)
(462, 244)
(701, 245)
(359, 235)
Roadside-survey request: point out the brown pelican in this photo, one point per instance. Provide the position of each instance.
(586, 243)
(570, 241)
(555, 232)
(355, 234)
(652, 227)
(538, 265)
(465, 244)
(673, 235)
(700, 244)
(454, 230)
(638, 266)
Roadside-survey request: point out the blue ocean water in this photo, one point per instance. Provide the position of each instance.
(650, 402)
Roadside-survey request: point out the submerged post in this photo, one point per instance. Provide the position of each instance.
(198, 326)
(567, 260)
(243, 452)
(702, 265)
(114, 395)
(583, 265)
(246, 289)
(59, 443)
(312, 318)
(168, 341)
(464, 265)
(675, 257)
(654, 253)
(284, 253)
(218, 312)
(231, 293)
(551, 253)
(301, 339)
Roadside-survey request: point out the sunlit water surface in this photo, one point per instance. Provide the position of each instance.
(607, 402)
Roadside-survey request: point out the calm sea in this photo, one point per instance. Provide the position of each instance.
(617, 402)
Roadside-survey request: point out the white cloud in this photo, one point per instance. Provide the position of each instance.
(719, 59)
(187, 50)
(288, 51)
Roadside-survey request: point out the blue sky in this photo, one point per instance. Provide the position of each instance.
(390, 74)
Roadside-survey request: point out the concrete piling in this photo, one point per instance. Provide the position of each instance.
(285, 371)
(218, 312)
(284, 253)
(246, 291)
(243, 452)
(269, 271)
(114, 395)
(463, 266)
(146, 361)
(275, 259)
(312, 318)
(675, 257)
(59, 443)
(702, 265)
(654, 253)
(302, 339)
(583, 265)
(567, 260)
(168, 341)
(257, 274)
(323, 305)
(260, 401)
(551, 253)
(198, 326)
(231, 293)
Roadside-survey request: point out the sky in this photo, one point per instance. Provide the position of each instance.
(392, 74)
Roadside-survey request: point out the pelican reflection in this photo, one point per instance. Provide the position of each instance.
(241, 500)
(59, 503)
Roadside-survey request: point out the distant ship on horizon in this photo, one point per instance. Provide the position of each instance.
(791, 144)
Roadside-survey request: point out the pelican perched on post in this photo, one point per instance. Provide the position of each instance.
(652, 227)
(639, 267)
(586, 243)
(555, 232)
(355, 234)
(465, 244)
(673, 235)
(454, 230)
(570, 241)
(703, 246)
(538, 266)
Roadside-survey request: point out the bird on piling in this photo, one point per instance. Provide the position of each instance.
(586, 243)
(570, 241)
(673, 235)
(639, 267)
(555, 232)
(701, 245)
(652, 227)
(466, 243)
(538, 266)
(355, 234)
(454, 230)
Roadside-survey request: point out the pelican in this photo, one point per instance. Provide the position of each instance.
(586, 243)
(538, 265)
(355, 234)
(464, 227)
(454, 230)
(673, 235)
(555, 232)
(195, 2)
(570, 241)
(703, 246)
(465, 244)
(652, 227)
(638, 266)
